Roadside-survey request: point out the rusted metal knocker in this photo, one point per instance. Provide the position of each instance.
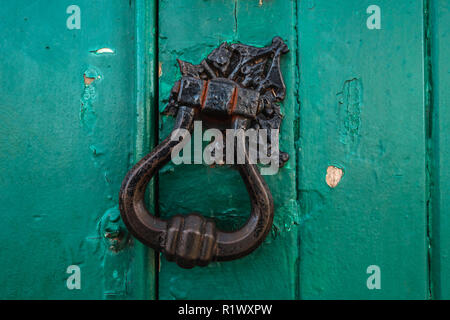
(237, 86)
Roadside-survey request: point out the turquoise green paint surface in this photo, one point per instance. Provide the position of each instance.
(362, 110)
(189, 30)
(357, 100)
(65, 147)
(440, 17)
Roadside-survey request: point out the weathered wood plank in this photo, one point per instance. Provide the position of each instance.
(362, 110)
(440, 44)
(66, 142)
(189, 30)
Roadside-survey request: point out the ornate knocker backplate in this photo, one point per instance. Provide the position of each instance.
(236, 87)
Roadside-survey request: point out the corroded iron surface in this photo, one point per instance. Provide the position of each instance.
(238, 87)
(235, 80)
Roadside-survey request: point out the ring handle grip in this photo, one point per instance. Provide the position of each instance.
(193, 239)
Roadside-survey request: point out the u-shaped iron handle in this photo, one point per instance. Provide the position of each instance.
(193, 239)
(237, 83)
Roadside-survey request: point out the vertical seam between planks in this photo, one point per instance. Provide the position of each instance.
(235, 18)
(428, 96)
(297, 140)
(156, 133)
(145, 84)
(141, 109)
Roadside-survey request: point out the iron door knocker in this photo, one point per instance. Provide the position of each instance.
(237, 86)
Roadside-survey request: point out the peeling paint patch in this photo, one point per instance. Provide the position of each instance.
(160, 70)
(311, 4)
(96, 151)
(92, 73)
(103, 51)
(287, 217)
(334, 176)
(87, 115)
(349, 111)
(117, 254)
(88, 80)
(260, 3)
(113, 231)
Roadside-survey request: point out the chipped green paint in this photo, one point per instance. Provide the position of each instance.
(88, 117)
(349, 111)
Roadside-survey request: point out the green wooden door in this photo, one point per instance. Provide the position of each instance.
(71, 118)
(360, 208)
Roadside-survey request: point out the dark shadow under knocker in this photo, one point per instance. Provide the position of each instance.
(236, 87)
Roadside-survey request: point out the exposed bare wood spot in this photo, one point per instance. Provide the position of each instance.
(88, 80)
(160, 70)
(103, 50)
(260, 3)
(334, 176)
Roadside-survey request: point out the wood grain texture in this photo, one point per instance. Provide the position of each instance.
(440, 57)
(189, 30)
(67, 140)
(362, 110)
